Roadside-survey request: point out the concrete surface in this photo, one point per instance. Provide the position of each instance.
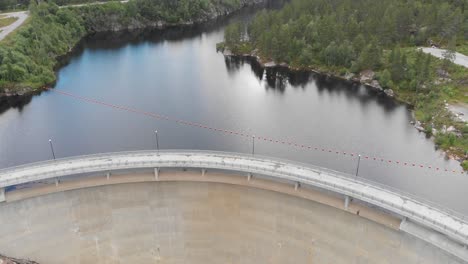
(434, 238)
(460, 59)
(423, 213)
(333, 200)
(180, 222)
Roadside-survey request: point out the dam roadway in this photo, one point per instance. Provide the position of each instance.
(396, 210)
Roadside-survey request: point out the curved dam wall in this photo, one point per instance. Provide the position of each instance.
(197, 222)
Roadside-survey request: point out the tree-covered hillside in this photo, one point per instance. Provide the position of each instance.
(23, 4)
(348, 37)
(354, 32)
(13, 4)
(28, 57)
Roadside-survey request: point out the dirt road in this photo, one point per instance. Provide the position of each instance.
(460, 59)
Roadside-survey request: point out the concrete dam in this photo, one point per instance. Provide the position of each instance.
(212, 207)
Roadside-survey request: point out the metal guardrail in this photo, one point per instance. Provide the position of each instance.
(449, 222)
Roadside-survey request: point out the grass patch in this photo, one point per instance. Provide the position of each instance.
(463, 49)
(7, 21)
(465, 165)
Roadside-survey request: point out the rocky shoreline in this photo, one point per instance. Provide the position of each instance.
(112, 24)
(366, 77)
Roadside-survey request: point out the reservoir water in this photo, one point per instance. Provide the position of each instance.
(178, 73)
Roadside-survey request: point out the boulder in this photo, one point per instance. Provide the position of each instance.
(389, 92)
(419, 128)
(376, 85)
(451, 129)
(367, 76)
(227, 52)
(270, 64)
(349, 76)
(442, 73)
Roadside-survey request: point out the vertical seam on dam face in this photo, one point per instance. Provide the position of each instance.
(198, 222)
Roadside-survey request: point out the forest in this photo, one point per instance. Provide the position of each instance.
(6, 5)
(13, 4)
(28, 57)
(346, 37)
(351, 33)
(9, 5)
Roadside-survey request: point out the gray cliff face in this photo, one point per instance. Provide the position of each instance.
(116, 23)
(7, 260)
(15, 91)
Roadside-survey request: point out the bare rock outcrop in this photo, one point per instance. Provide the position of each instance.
(7, 260)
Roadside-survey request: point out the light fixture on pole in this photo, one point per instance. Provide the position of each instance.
(52, 148)
(359, 162)
(253, 144)
(157, 140)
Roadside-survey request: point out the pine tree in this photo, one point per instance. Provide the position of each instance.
(449, 53)
(397, 66)
(232, 35)
(386, 79)
(427, 67)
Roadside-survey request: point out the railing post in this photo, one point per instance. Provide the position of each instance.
(2, 195)
(346, 202)
(296, 185)
(156, 173)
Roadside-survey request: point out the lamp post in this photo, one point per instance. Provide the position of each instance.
(52, 148)
(359, 162)
(253, 145)
(157, 140)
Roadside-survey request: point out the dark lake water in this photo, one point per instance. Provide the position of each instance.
(178, 73)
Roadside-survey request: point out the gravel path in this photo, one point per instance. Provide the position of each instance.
(22, 16)
(460, 59)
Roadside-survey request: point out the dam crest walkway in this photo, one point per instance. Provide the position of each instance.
(408, 207)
